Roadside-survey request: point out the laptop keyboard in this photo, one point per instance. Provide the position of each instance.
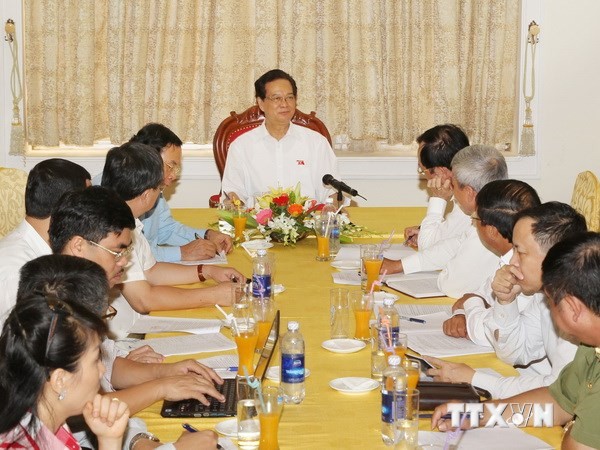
(193, 408)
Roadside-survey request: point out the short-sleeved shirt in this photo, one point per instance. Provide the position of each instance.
(577, 391)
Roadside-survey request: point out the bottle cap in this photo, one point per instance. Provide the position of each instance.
(394, 360)
(294, 326)
(389, 301)
(261, 252)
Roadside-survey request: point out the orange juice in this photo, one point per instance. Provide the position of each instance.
(400, 351)
(246, 344)
(239, 224)
(322, 248)
(412, 378)
(372, 267)
(362, 317)
(263, 332)
(269, 425)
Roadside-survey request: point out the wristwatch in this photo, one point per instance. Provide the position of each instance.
(140, 436)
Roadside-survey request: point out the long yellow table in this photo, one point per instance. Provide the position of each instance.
(326, 418)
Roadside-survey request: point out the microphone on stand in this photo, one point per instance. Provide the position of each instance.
(340, 186)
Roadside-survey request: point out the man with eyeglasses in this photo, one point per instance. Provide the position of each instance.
(437, 147)
(170, 240)
(278, 152)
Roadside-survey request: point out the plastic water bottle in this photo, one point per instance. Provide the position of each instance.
(388, 316)
(394, 379)
(292, 364)
(261, 275)
(328, 211)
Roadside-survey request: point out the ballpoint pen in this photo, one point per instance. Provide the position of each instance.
(413, 319)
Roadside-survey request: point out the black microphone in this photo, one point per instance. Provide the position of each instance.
(340, 186)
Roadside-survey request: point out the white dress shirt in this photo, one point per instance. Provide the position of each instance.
(256, 161)
(435, 227)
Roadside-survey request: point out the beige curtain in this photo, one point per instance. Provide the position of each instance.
(386, 69)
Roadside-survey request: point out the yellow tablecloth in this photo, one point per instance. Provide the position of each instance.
(326, 418)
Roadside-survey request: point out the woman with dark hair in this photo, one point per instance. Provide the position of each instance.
(50, 370)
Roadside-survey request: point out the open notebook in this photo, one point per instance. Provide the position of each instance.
(193, 408)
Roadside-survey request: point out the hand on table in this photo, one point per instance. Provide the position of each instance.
(189, 366)
(201, 440)
(456, 326)
(222, 241)
(390, 266)
(145, 354)
(198, 250)
(181, 387)
(449, 371)
(505, 285)
(438, 421)
(221, 274)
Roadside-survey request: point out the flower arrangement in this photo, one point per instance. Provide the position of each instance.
(285, 216)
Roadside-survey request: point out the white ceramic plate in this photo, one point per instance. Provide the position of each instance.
(381, 295)
(227, 428)
(343, 345)
(274, 373)
(257, 244)
(353, 385)
(346, 264)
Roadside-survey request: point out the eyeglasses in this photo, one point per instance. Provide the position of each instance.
(478, 219)
(278, 99)
(58, 308)
(118, 255)
(424, 170)
(110, 313)
(175, 168)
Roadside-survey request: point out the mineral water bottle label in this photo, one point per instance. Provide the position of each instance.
(387, 406)
(292, 368)
(335, 232)
(261, 286)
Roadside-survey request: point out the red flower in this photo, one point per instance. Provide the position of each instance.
(282, 200)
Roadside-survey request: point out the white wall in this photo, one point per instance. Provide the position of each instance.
(567, 110)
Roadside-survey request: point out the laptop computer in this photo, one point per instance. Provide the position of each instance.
(193, 408)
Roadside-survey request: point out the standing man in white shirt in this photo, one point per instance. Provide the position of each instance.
(521, 337)
(463, 260)
(278, 153)
(437, 147)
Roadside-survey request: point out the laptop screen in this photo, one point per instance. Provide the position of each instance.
(268, 349)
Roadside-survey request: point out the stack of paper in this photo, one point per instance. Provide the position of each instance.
(418, 285)
(184, 345)
(428, 338)
(156, 324)
(219, 258)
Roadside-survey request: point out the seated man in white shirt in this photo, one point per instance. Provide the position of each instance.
(437, 147)
(463, 260)
(135, 172)
(498, 204)
(278, 153)
(46, 182)
(521, 337)
(170, 240)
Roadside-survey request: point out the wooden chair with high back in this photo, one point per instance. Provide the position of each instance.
(12, 207)
(237, 124)
(586, 199)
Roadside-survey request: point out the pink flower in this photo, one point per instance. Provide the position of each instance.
(263, 216)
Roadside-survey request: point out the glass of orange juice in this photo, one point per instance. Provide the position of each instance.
(269, 403)
(413, 372)
(239, 223)
(322, 230)
(371, 260)
(362, 305)
(393, 343)
(245, 335)
(263, 310)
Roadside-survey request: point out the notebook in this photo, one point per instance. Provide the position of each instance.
(193, 408)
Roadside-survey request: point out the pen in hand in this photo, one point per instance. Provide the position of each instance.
(192, 429)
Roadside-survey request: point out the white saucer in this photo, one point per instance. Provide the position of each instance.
(346, 264)
(278, 288)
(227, 428)
(343, 345)
(353, 385)
(379, 296)
(257, 244)
(274, 372)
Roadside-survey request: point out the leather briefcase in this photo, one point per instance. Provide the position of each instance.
(435, 393)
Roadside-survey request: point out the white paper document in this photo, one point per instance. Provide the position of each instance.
(420, 310)
(352, 252)
(155, 324)
(186, 345)
(219, 258)
(418, 285)
(224, 365)
(486, 438)
(350, 277)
